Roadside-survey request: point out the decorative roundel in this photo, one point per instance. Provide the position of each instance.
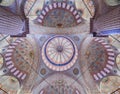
(59, 53)
(18, 57)
(59, 14)
(76, 71)
(101, 58)
(43, 71)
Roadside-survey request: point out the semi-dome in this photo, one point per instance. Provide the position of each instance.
(100, 57)
(18, 58)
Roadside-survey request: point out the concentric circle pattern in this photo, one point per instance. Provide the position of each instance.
(59, 53)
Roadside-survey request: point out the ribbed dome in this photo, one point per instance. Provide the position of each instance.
(59, 53)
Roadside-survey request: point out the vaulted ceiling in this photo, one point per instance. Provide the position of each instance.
(58, 53)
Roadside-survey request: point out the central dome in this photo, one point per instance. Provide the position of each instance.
(59, 53)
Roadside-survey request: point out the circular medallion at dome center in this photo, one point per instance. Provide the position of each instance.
(59, 53)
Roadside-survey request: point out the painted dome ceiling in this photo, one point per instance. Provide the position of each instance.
(14, 60)
(58, 54)
(59, 14)
(61, 85)
(101, 58)
(24, 68)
